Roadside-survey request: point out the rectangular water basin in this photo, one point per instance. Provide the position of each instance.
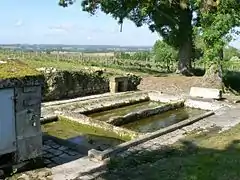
(159, 121)
(106, 115)
(83, 135)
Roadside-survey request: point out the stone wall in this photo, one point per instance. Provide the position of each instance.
(70, 84)
(28, 129)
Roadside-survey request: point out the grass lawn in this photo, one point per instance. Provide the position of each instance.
(209, 156)
(65, 65)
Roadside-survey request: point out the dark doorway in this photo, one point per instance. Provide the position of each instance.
(120, 86)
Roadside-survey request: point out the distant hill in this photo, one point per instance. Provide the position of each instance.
(73, 48)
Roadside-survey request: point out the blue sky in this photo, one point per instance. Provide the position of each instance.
(44, 22)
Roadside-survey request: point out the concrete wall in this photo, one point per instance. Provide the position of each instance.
(70, 84)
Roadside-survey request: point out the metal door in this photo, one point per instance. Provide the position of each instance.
(7, 122)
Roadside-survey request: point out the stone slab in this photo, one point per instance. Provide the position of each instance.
(164, 98)
(205, 105)
(75, 168)
(207, 93)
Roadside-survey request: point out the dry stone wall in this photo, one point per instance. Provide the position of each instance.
(70, 84)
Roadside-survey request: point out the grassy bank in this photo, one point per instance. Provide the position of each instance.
(198, 157)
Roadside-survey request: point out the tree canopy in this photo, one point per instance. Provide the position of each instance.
(216, 27)
(175, 22)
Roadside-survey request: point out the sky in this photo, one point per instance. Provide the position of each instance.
(44, 22)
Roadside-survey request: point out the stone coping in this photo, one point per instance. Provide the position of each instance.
(91, 97)
(99, 104)
(153, 96)
(101, 155)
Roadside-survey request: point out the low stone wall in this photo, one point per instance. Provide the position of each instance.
(70, 84)
(121, 133)
(134, 116)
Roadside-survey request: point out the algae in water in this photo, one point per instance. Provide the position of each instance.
(106, 115)
(82, 134)
(159, 121)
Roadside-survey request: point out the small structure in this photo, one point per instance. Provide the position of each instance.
(118, 84)
(20, 110)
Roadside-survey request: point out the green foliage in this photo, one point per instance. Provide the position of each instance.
(142, 56)
(231, 53)
(172, 19)
(139, 56)
(215, 25)
(122, 55)
(164, 53)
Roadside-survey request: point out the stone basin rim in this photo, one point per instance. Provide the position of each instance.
(102, 155)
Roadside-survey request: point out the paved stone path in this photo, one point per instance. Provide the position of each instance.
(61, 163)
(66, 163)
(55, 154)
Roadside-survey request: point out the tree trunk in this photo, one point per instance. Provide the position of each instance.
(220, 54)
(184, 58)
(185, 43)
(213, 77)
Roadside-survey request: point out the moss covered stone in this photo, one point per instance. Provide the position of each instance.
(16, 69)
(14, 73)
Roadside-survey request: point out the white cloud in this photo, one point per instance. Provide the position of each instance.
(114, 30)
(62, 27)
(89, 38)
(19, 23)
(76, 28)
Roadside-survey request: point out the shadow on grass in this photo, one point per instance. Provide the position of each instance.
(187, 161)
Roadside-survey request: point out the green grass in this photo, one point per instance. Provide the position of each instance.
(210, 156)
(74, 66)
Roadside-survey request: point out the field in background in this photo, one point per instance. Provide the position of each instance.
(101, 54)
(108, 60)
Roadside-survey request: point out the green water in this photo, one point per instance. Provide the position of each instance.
(156, 122)
(82, 134)
(106, 115)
